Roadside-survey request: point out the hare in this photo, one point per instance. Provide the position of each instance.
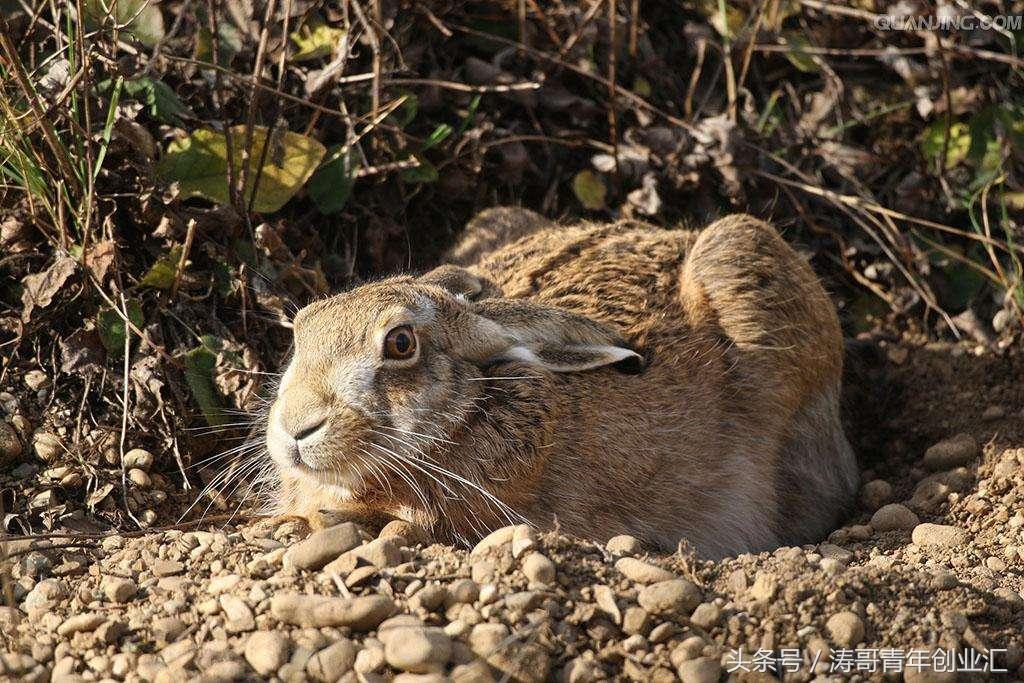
(604, 379)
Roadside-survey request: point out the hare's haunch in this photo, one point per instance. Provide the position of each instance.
(608, 378)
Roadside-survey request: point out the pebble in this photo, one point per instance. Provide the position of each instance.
(332, 662)
(700, 670)
(495, 539)
(846, 629)
(322, 546)
(875, 494)
(624, 544)
(929, 495)
(524, 539)
(539, 569)
(80, 622)
(404, 533)
(166, 567)
(223, 583)
(706, 616)
(940, 535)
(239, 615)
(953, 452)
(361, 613)
(267, 651)
(139, 477)
(993, 413)
(419, 648)
(642, 572)
(464, 591)
(430, 597)
(892, 517)
(764, 587)
(138, 458)
(10, 445)
(604, 596)
(35, 379)
(670, 597)
(47, 446)
(380, 552)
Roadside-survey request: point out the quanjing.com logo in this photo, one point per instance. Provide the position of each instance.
(931, 22)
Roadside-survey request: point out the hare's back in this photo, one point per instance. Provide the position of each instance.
(625, 274)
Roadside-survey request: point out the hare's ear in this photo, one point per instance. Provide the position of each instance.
(456, 280)
(560, 341)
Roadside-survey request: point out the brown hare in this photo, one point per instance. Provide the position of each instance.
(607, 379)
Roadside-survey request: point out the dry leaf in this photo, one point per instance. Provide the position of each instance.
(40, 287)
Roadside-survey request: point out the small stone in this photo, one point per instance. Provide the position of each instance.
(168, 629)
(361, 613)
(893, 516)
(624, 544)
(700, 670)
(239, 615)
(420, 649)
(539, 569)
(380, 552)
(10, 617)
(80, 622)
(953, 452)
(939, 535)
(464, 591)
(223, 584)
(10, 446)
(846, 629)
(993, 413)
(875, 494)
(322, 546)
(689, 649)
(524, 539)
(45, 593)
(267, 651)
(636, 620)
(166, 567)
(765, 585)
(929, 495)
(404, 533)
(670, 597)
(332, 662)
(36, 379)
(139, 477)
(642, 572)
(138, 458)
(224, 671)
(430, 597)
(495, 539)
(47, 446)
(360, 575)
(996, 564)
(706, 616)
(604, 596)
(109, 632)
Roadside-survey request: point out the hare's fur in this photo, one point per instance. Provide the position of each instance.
(518, 407)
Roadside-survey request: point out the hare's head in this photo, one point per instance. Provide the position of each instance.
(393, 370)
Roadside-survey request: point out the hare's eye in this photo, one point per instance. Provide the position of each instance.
(400, 343)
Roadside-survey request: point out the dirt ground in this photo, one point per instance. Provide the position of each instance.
(931, 562)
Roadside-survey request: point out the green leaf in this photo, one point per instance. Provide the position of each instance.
(199, 165)
(139, 19)
(474, 104)
(331, 185)
(798, 55)
(161, 274)
(426, 172)
(437, 137)
(589, 189)
(162, 103)
(112, 329)
(230, 43)
(315, 39)
(933, 139)
(407, 110)
(200, 364)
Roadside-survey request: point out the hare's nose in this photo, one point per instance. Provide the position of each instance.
(307, 428)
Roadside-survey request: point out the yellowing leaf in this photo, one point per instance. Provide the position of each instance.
(797, 53)
(589, 189)
(161, 274)
(199, 165)
(139, 19)
(934, 138)
(730, 24)
(315, 39)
